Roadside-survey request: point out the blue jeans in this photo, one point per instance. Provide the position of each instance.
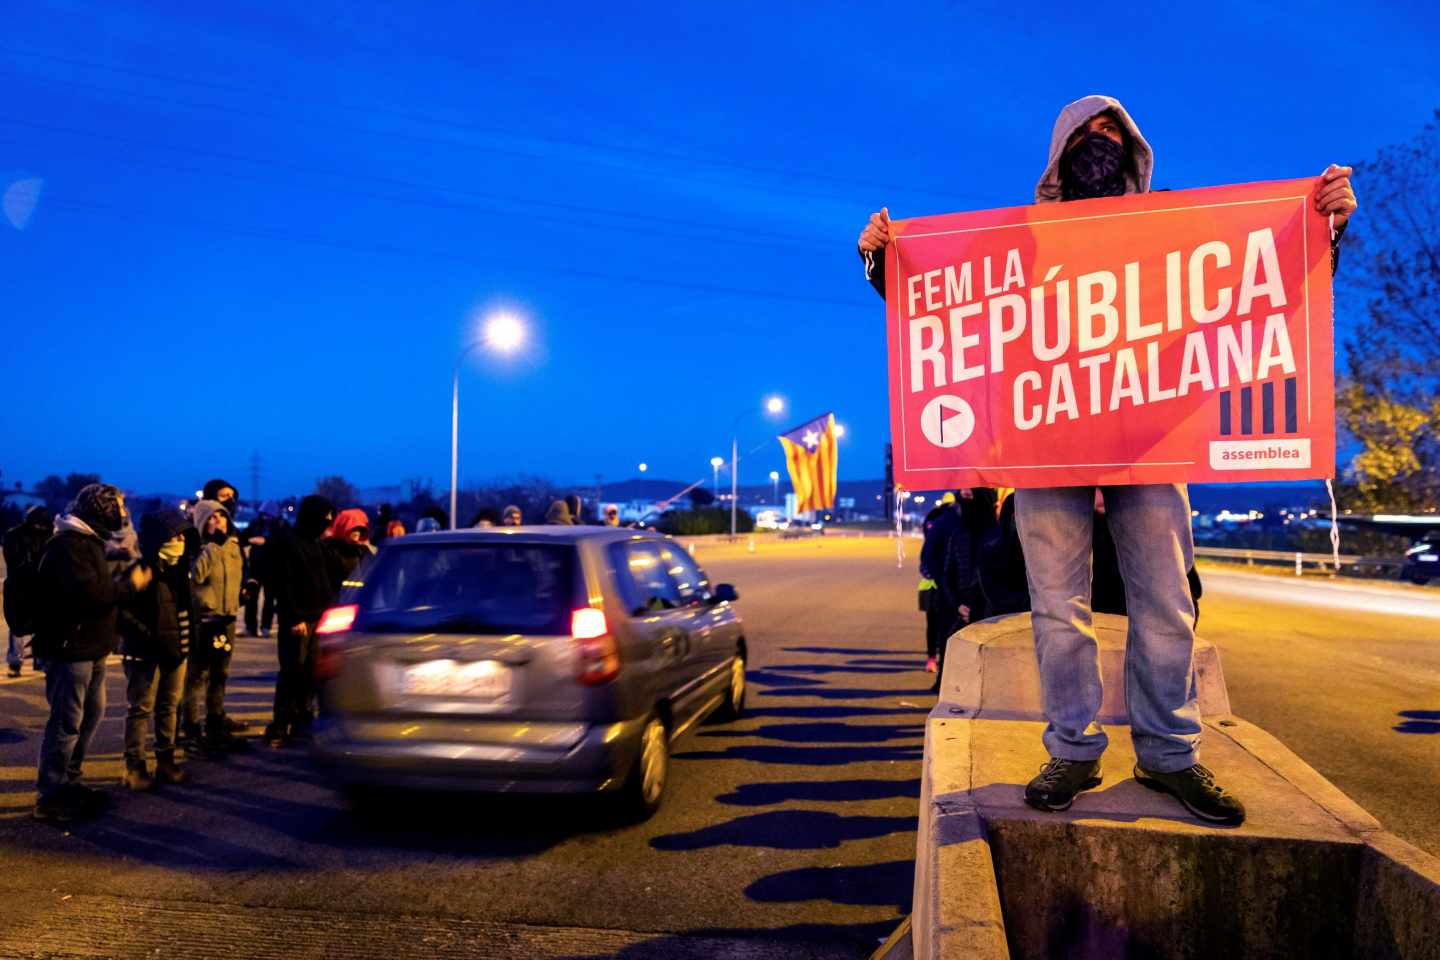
(1151, 527)
(76, 692)
(15, 649)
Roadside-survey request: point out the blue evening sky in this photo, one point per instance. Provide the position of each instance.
(269, 226)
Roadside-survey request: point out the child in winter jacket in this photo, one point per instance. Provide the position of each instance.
(157, 627)
(217, 575)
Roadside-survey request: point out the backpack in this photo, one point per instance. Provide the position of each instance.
(21, 585)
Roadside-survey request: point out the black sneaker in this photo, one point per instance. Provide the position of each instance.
(59, 807)
(1196, 788)
(14, 670)
(87, 800)
(189, 732)
(1055, 786)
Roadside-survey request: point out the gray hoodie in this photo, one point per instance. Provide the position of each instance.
(218, 571)
(1076, 115)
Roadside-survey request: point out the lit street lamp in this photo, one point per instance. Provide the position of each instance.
(503, 334)
(715, 463)
(774, 486)
(773, 406)
(839, 430)
(644, 467)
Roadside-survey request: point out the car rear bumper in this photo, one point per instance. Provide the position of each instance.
(570, 758)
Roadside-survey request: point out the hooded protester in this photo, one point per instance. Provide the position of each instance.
(78, 598)
(23, 545)
(511, 517)
(394, 529)
(217, 574)
(559, 515)
(1096, 150)
(347, 544)
(157, 627)
(259, 603)
(223, 493)
(486, 517)
(955, 564)
(299, 571)
(939, 617)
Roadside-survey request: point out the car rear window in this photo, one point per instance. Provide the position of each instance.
(493, 588)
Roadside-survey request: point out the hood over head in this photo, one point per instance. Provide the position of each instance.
(212, 488)
(40, 518)
(98, 505)
(160, 526)
(559, 514)
(205, 509)
(1141, 160)
(315, 515)
(348, 520)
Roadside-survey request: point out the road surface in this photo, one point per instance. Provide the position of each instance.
(789, 834)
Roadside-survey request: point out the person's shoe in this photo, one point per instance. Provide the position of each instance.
(14, 670)
(189, 732)
(931, 666)
(233, 725)
(264, 633)
(1055, 786)
(276, 736)
(57, 808)
(138, 778)
(219, 739)
(167, 771)
(87, 800)
(1196, 788)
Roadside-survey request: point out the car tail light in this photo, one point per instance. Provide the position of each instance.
(599, 654)
(335, 621)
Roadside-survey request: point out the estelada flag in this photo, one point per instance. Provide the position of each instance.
(1155, 338)
(812, 457)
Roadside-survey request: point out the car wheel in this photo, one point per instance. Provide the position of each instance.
(645, 788)
(734, 704)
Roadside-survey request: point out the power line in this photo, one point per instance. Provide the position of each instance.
(440, 255)
(325, 173)
(646, 153)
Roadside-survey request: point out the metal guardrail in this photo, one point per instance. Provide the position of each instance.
(1301, 560)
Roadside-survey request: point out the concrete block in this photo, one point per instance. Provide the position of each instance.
(990, 669)
(1127, 871)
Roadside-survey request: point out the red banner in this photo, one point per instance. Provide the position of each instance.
(1157, 338)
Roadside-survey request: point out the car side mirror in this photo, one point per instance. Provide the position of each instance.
(725, 593)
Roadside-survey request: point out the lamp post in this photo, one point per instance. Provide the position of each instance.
(773, 406)
(502, 333)
(775, 486)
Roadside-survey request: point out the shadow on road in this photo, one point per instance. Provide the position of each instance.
(1418, 721)
(786, 830)
(834, 791)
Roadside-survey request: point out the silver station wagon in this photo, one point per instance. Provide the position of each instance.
(525, 659)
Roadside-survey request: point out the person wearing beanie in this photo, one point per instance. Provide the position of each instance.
(23, 545)
(157, 630)
(217, 576)
(297, 567)
(78, 599)
(511, 517)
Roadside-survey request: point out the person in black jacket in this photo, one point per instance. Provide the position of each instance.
(939, 616)
(157, 627)
(298, 569)
(956, 571)
(23, 545)
(75, 633)
(1002, 566)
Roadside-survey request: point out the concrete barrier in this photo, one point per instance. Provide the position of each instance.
(1126, 871)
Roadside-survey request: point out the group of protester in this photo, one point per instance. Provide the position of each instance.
(167, 593)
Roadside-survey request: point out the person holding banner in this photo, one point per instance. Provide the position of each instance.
(1096, 151)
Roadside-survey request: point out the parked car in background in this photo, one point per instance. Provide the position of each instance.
(1422, 560)
(526, 659)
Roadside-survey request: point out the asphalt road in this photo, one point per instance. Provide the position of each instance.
(788, 834)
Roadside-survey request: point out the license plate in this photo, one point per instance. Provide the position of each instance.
(479, 679)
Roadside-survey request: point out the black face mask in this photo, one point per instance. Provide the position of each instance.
(1094, 167)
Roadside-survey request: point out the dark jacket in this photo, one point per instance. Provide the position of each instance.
(78, 596)
(297, 566)
(1002, 567)
(158, 624)
(23, 544)
(343, 558)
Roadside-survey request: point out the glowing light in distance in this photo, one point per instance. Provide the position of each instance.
(504, 333)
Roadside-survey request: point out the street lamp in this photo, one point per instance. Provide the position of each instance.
(715, 463)
(839, 430)
(773, 406)
(644, 467)
(775, 486)
(502, 333)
